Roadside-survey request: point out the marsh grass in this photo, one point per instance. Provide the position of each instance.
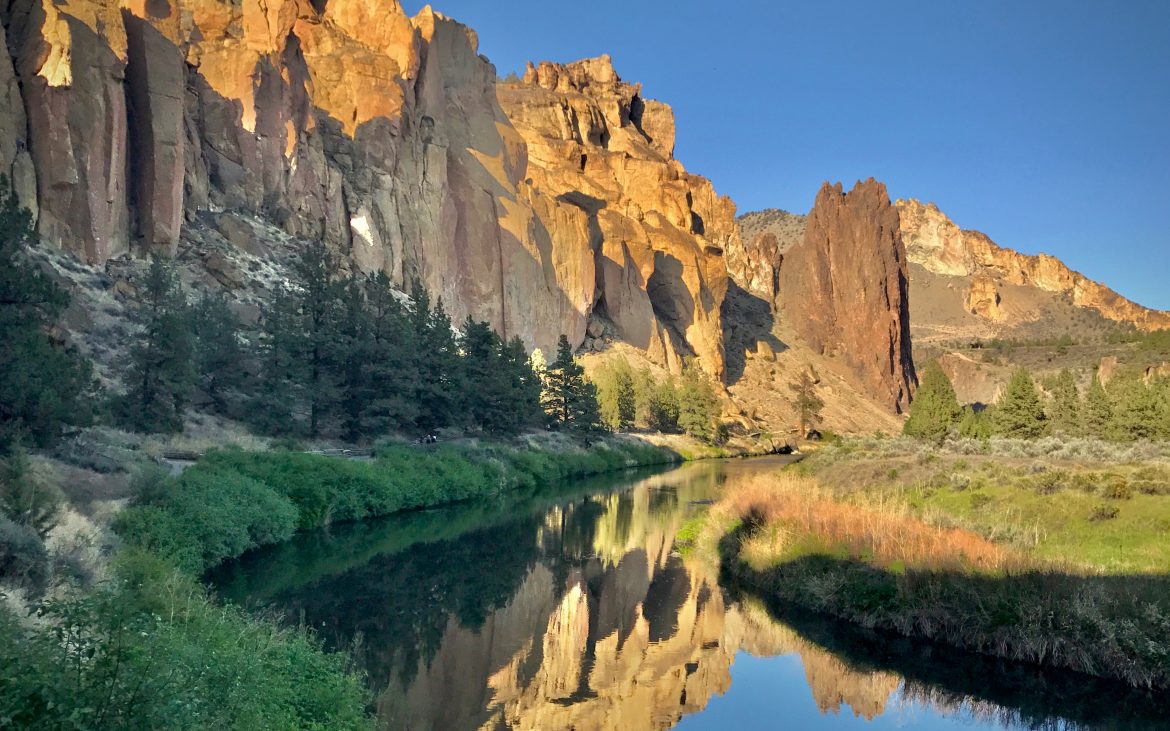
(870, 561)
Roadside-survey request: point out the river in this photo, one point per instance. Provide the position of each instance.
(569, 608)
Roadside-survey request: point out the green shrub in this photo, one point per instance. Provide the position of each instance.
(1103, 512)
(23, 559)
(150, 651)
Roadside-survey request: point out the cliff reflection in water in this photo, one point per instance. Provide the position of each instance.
(552, 612)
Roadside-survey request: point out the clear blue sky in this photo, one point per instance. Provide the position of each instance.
(1044, 124)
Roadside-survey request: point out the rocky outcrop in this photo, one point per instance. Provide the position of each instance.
(843, 289)
(381, 134)
(983, 298)
(764, 237)
(639, 238)
(940, 246)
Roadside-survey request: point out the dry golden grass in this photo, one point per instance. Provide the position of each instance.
(790, 508)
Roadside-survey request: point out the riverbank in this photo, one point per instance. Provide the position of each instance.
(870, 560)
(232, 501)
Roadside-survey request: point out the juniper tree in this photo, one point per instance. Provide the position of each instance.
(698, 403)
(1019, 413)
(935, 409)
(45, 386)
(355, 387)
(1096, 411)
(1135, 409)
(1064, 412)
(161, 373)
(807, 403)
(616, 394)
(663, 411)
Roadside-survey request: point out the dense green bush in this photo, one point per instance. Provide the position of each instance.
(233, 501)
(149, 651)
(23, 558)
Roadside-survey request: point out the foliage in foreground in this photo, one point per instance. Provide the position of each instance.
(233, 501)
(150, 651)
(882, 569)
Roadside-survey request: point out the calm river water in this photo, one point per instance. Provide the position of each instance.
(569, 608)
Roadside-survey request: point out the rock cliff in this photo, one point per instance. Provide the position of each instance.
(843, 289)
(940, 247)
(128, 126)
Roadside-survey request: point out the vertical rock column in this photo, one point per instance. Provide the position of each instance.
(155, 86)
(843, 289)
(15, 161)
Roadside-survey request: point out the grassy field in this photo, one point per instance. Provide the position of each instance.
(1094, 505)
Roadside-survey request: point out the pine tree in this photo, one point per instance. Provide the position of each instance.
(1019, 413)
(320, 303)
(570, 400)
(355, 347)
(44, 386)
(441, 388)
(807, 403)
(279, 391)
(393, 366)
(1065, 409)
(220, 362)
(698, 403)
(161, 375)
(644, 386)
(935, 409)
(525, 383)
(1096, 411)
(489, 384)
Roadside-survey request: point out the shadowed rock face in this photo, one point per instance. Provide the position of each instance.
(381, 134)
(843, 289)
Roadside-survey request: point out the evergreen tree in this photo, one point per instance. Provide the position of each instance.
(440, 380)
(698, 403)
(393, 367)
(161, 373)
(489, 384)
(355, 346)
(279, 391)
(935, 409)
(644, 386)
(807, 403)
(220, 362)
(975, 424)
(1135, 409)
(28, 497)
(1019, 413)
(570, 401)
(44, 386)
(1096, 411)
(663, 407)
(616, 394)
(1064, 414)
(525, 383)
(320, 303)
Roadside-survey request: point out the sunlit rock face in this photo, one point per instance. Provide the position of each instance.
(843, 289)
(602, 174)
(935, 242)
(381, 134)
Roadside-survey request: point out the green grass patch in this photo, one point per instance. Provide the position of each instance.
(233, 500)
